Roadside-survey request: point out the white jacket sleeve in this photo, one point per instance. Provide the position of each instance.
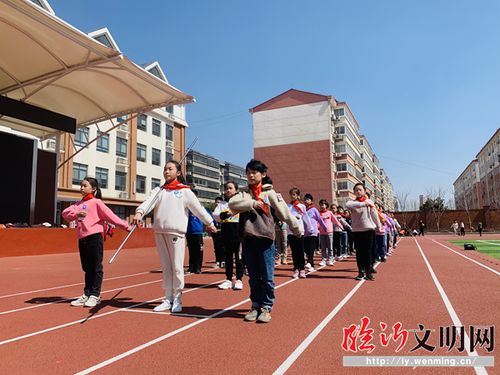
(147, 206)
(194, 205)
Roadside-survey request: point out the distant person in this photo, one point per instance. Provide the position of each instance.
(90, 214)
(421, 228)
(480, 228)
(311, 236)
(462, 228)
(454, 228)
(217, 239)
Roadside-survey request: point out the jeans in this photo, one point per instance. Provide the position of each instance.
(343, 243)
(259, 257)
(381, 245)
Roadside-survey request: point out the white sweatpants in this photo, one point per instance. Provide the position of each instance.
(171, 250)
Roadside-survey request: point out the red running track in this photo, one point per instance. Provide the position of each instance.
(427, 281)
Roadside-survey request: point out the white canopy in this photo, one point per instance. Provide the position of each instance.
(50, 64)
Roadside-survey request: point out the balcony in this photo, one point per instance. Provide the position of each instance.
(122, 161)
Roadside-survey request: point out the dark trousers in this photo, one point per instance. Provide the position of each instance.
(350, 239)
(297, 247)
(337, 236)
(218, 247)
(91, 252)
(232, 249)
(310, 244)
(363, 241)
(195, 247)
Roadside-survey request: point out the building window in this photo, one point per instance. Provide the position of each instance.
(169, 134)
(342, 185)
(103, 142)
(79, 173)
(156, 157)
(120, 181)
(141, 152)
(339, 112)
(340, 130)
(169, 156)
(170, 109)
(156, 127)
(121, 147)
(141, 122)
(81, 136)
(340, 148)
(140, 184)
(155, 182)
(341, 167)
(101, 174)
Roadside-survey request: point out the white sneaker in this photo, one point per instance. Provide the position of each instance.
(238, 285)
(226, 284)
(295, 274)
(177, 305)
(79, 301)
(308, 265)
(164, 306)
(330, 262)
(223, 264)
(92, 301)
(310, 268)
(216, 265)
(322, 263)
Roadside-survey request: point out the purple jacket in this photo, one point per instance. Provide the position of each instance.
(316, 220)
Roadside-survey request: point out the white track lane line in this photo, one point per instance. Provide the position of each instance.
(76, 284)
(491, 243)
(310, 338)
(18, 338)
(166, 313)
(72, 298)
(170, 334)
(451, 310)
(466, 257)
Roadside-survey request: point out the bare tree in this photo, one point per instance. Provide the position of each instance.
(435, 203)
(402, 199)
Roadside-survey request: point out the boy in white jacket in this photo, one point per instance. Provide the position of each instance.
(171, 203)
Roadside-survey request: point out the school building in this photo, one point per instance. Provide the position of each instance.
(478, 185)
(313, 142)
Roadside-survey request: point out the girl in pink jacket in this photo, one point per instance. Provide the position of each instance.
(326, 237)
(91, 214)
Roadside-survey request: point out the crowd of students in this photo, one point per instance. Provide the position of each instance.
(251, 230)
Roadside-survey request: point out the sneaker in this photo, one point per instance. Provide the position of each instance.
(322, 263)
(383, 260)
(216, 265)
(330, 262)
(92, 301)
(227, 284)
(80, 301)
(284, 261)
(223, 264)
(177, 305)
(164, 306)
(360, 276)
(310, 269)
(238, 285)
(251, 315)
(278, 262)
(373, 270)
(308, 265)
(295, 274)
(370, 277)
(302, 274)
(265, 315)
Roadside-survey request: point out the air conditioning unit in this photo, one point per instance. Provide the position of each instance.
(339, 137)
(121, 161)
(170, 143)
(123, 195)
(338, 154)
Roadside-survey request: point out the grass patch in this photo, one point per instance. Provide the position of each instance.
(489, 247)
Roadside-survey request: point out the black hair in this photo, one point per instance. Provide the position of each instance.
(294, 190)
(359, 184)
(95, 185)
(308, 196)
(218, 198)
(267, 180)
(231, 182)
(324, 202)
(256, 165)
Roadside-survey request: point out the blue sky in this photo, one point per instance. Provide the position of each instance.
(421, 77)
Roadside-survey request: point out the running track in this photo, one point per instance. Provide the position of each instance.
(427, 281)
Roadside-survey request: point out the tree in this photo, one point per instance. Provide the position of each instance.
(402, 199)
(435, 203)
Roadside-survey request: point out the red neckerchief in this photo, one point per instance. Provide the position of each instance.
(88, 197)
(295, 203)
(309, 206)
(362, 199)
(256, 190)
(322, 210)
(175, 185)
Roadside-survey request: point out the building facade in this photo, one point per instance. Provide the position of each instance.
(314, 142)
(478, 185)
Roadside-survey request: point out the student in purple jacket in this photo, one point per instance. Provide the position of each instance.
(311, 234)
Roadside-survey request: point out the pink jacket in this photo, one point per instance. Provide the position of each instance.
(329, 220)
(97, 213)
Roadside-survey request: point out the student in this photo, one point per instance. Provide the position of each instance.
(258, 231)
(311, 235)
(421, 228)
(298, 210)
(218, 243)
(342, 232)
(230, 238)
(326, 237)
(281, 243)
(462, 228)
(194, 239)
(90, 214)
(454, 227)
(480, 228)
(172, 203)
(364, 222)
